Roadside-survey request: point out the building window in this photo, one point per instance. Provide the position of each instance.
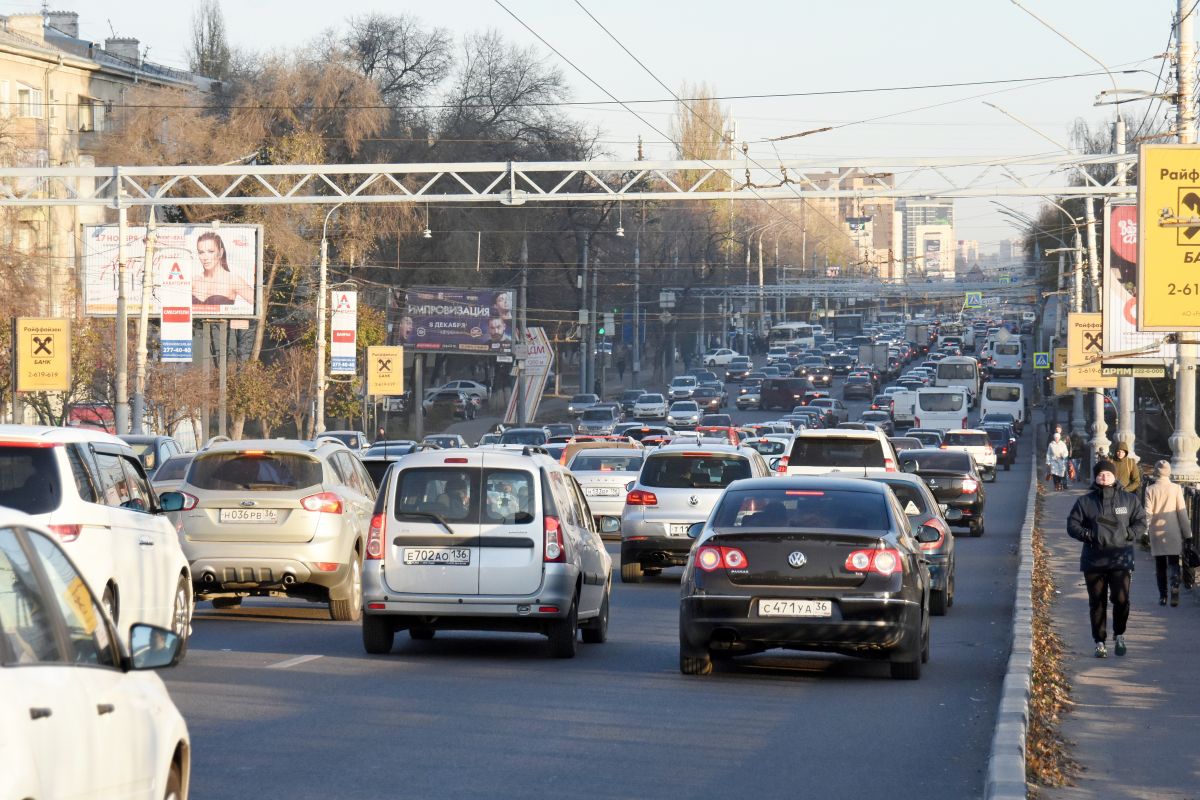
(87, 114)
(29, 101)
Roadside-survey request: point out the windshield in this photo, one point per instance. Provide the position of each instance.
(583, 398)
(671, 471)
(591, 462)
(966, 439)
(684, 382)
(598, 415)
(956, 372)
(1008, 349)
(683, 408)
(29, 479)
(524, 437)
(1003, 394)
(940, 401)
(271, 472)
(651, 398)
(801, 509)
(173, 469)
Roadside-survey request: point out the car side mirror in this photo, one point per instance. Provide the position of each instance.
(909, 466)
(152, 647)
(170, 501)
(927, 534)
(610, 524)
(953, 515)
(774, 463)
(695, 529)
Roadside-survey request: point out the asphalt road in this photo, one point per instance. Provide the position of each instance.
(282, 702)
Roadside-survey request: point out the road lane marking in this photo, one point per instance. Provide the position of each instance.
(291, 662)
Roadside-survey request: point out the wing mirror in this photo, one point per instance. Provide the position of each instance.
(695, 529)
(170, 501)
(953, 515)
(909, 466)
(610, 524)
(774, 464)
(927, 534)
(152, 647)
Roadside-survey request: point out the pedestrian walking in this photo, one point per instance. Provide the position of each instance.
(621, 368)
(1056, 461)
(1078, 448)
(1168, 528)
(1128, 475)
(1107, 520)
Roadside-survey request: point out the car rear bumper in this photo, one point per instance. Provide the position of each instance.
(478, 611)
(215, 575)
(860, 625)
(655, 551)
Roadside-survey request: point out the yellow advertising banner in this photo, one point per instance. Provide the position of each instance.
(385, 371)
(1085, 346)
(43, 354)
(1060, 371)
(1168, 276)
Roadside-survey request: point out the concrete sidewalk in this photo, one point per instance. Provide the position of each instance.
(1133, 726)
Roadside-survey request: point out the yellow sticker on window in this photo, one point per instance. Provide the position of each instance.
(77, 594)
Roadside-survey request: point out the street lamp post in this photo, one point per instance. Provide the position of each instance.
(322, 290)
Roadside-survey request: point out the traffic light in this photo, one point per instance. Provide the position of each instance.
(600, 331)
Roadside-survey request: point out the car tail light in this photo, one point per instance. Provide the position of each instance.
(883, 562)
(782, 466)
(970, 485)
(455, 460)
(640, 497)
(66, 533)
(328, 566)
(375, 539)
(916, 421)
(711, 559)
(554, 551)
(889, 465)
(189, 501)
(942, 530)
(323, 502)
(1003, 451)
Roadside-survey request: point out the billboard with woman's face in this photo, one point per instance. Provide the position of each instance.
(225, 264)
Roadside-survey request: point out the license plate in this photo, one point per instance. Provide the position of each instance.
(795, 608)
(437, 556)
(680, 530)
(259, 516)
(600, 491)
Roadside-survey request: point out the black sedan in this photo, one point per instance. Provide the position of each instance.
(1004, 442)
(821, 377)
(806, 563)
(954, 479)
(859, 386)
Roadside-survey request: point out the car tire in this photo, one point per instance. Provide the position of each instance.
(564, 633)
(595, 631)
(926, 643)
(976, 528)
(905, 662)
(226, 602)
(631, 572)
(990, 475)
(421, 633)
(349, 608)
(174, 788)
(691, 664)
(939, 601)
(378, 635)
(181, 615)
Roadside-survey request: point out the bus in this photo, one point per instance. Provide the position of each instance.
(800, 333)
(960, 371)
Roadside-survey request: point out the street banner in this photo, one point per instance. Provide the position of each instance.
(1121, 333)
(42, 347)
(1060, 371)
(223, 262)
(1084, 346)
(343, 333)
(175, 292)
(450, 320)
(385, 371)
(538, 361)
(1168, 199)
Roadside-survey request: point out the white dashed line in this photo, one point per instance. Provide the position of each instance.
(291, 662)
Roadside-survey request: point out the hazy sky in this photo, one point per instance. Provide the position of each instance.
(762, 47)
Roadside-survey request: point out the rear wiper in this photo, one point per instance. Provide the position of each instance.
(425, 515)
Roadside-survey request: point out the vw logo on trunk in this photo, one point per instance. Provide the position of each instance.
(694, 500)
(797, 559)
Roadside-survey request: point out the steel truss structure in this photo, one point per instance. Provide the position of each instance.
(516, 183)
(863, 290)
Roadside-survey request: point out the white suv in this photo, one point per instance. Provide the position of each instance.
(978, 444)
(484, 539)
(824, 450)
(90, 490)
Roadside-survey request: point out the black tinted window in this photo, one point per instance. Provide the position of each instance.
(802, 509)
(277, 472)
(377, 469)
(912, 499)
(694, 472)
(29, 479)
(935, 460)
(527, 436)
(173, 469)
(824, 451)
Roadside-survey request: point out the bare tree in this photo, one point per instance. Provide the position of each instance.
(208, 51)
(404, 59)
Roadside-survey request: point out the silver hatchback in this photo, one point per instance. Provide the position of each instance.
(678, 485)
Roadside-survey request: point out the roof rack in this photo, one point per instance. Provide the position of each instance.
(215, 440)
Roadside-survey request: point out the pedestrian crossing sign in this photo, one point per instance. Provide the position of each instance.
(974, 300)
(1041, 361)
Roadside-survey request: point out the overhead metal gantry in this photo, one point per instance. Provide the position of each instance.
(842, 289)
(514, 183)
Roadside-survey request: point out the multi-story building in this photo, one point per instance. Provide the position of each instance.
(868, 222)
(928, 237)
(57, 93)
(968, 254)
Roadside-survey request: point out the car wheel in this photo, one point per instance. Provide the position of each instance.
(939, 601)
(564, 633)
(990, 475)
(977, 527)
(378, 635)
(906, 659)
(226, 602)
(174, 790)
(693, 661)
(925, 642)
(631, 572)
(950, 581)
(421, 633)
(349, 608)
(181, 615)
(595, 631)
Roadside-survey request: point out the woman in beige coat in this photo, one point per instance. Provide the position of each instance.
(1168, 526)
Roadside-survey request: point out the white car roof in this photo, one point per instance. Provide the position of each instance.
(966, 430)
(840, 433)
(48, 433)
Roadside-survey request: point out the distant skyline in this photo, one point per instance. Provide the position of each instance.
(761, 47)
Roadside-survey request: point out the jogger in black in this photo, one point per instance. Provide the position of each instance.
(1102, 587)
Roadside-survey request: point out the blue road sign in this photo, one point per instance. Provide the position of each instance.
(1041, 361)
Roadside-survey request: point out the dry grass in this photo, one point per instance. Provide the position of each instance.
(1047, 762)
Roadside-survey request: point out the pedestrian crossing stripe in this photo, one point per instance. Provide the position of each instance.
(1041, 361)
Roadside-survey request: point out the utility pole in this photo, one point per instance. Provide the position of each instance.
(1100, 439)
(1078, 426)
(584, 322)
(519, 363)
(122, 410)
(595, 321)
(1183, 441)
(139, 378)
(322, 298)
(637, 299)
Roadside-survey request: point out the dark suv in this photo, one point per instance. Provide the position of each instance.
(784, 393)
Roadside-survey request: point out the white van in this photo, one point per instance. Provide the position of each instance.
(1003, 398)
(941, 408)
(959, 371)
(1008, 358)
(904, 408)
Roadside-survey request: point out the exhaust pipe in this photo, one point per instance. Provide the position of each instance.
(208, 577)
(289, 579)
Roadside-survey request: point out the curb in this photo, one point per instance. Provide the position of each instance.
(1006, 760)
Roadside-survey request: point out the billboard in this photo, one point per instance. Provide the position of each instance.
(42, 347)
(539, 358)
(175, 297)
(1084, 349)
(385, 371)
(343, 333)
(224, 264)
(1121, 333)
(1168, 238)
(455, 321)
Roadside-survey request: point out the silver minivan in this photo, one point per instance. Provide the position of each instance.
(484, 539)
(678, 485)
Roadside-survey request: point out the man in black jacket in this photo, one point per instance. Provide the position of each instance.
(1108, 520)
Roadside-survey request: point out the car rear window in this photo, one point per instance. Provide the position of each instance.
(835, 451)
(966, 439)
(173, 469)
(940, 401)
(593, 462)
(1003, 394)
(1008, 349)
(678, 471)
(768, 447)
(801, 509)
(465, 495)
(268, 472)
(531, 437)
(935, 460)
(29, 479)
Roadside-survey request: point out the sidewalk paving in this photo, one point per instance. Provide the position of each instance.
(1135, 718)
